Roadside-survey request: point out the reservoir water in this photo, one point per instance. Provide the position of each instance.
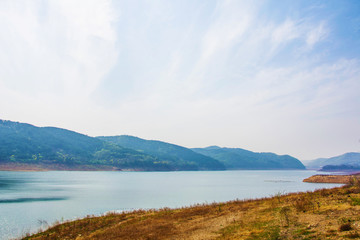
(32, 200)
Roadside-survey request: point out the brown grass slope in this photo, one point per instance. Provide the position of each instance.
(323, 214)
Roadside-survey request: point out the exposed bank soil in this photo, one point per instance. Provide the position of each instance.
(344, 179)
(53, 167)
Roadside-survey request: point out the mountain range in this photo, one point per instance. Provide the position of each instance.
(237, 158)
(347, 159)
(177, 156)
(56, 148)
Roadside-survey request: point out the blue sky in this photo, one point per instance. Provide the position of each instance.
(280, 76)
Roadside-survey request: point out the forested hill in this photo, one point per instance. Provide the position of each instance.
(56, 148)
(168, 153)
(237, 158)
(49, 146)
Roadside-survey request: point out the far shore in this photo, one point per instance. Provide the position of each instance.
(341, 176)
(23, 167)
(343, 179)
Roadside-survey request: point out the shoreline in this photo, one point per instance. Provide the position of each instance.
(313, 214)
(24, 167)
(266, 176)
(330, 178)
(43, 167)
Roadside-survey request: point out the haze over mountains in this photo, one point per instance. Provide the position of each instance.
(348, 160)
(56, 148)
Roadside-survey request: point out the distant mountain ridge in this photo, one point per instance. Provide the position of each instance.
(58, 148)
(49, 146)
(237, 158)
(61, 149)
(349, 159)
(342, 167)
(167, 152)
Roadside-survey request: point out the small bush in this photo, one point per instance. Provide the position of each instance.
(353, 235)
(303, 204)
(354, 181)
(355, 201)
(345, 227)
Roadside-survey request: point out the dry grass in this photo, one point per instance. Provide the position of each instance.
(323, 214)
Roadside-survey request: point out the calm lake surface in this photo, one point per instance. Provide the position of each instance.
(30, 200)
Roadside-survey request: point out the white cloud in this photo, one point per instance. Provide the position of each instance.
(317, 34)
(287, 31)
(57, 47)
(224, 72)
(228, 25)
(312, 88)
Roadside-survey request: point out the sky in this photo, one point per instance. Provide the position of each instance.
(268, 76)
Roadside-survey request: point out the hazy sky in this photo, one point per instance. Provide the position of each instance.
(279, 76)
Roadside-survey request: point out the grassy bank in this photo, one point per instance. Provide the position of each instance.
(323, 214)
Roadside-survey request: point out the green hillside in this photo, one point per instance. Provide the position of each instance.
(237, 158)
(27, 144)
(23, 143)
(56, 148)
(178, 156)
